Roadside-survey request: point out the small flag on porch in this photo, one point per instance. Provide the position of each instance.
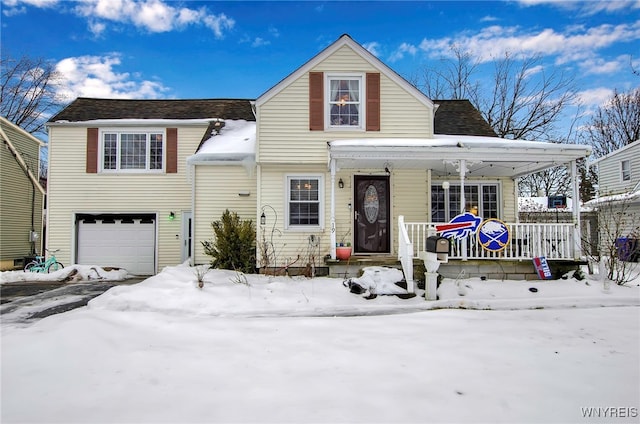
(542, 267)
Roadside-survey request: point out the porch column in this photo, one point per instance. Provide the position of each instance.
(463, 171)
(332, 236)
(577, 230)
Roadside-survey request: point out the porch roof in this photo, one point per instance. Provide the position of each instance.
(485, 156)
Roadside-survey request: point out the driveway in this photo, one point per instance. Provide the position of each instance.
(25, 302)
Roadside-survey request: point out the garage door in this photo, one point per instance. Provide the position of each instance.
(117, 240)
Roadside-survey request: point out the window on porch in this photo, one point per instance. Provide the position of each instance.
(480, 199)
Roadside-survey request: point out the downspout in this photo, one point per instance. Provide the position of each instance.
(577, 230)
(332, 239)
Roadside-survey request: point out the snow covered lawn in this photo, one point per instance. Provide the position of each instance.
(307, 350)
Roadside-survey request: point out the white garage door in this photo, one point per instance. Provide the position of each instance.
(118, 240)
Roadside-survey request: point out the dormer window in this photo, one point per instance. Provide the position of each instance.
(341, 101)
(345, 102)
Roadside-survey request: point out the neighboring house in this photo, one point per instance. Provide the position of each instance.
(21, 196)
(342, 149)
(619, 187)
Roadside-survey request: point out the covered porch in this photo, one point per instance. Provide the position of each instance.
(458, 159)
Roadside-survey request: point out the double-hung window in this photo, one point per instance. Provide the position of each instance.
(304, 202)
(625, 170)
(345, 101)
(133, 151)
(480, 199)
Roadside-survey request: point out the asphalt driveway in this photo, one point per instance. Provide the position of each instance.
(25, 302)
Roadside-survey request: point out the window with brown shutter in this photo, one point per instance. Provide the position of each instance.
(373, 102)
(92, 150)
(172, 150)
(316, 101)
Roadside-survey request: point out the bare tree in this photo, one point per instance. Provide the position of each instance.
(615, 124)
(524, 101)
(27, 92)
(452, 79)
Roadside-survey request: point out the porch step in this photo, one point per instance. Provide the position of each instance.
(352, 267)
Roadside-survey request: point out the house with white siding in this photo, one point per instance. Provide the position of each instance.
(342, 150)
(619, 191)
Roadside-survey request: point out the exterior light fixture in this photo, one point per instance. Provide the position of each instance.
(263, 219)
(172, 216)
(341, 183)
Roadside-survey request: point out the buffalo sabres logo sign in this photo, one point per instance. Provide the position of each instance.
(493, 235)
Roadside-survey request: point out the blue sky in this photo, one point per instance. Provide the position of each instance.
(216, 49)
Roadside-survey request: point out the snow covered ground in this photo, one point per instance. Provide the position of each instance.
(249, 348)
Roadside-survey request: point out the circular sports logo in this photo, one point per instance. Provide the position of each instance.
(493, 235)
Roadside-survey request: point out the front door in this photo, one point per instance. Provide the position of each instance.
(372, 214)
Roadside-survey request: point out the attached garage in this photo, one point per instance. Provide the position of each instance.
(117, 240)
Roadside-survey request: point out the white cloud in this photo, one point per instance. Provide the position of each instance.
(258, 42)
(400, 52)
(94, 76)
(373, 47)
(575, 44)
(595, 96)
(150, 15)
(18, 7)
(601, 66)
(489, 18)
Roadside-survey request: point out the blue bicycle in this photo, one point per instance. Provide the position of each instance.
(41, 265)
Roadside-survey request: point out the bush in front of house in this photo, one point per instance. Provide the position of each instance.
(234, 245)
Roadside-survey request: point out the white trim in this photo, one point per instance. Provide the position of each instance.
(133, 122)
(120, 131)
(615, 152)
(362, 113)
(321, 201)
(622, 162)
(345, 40)
(470, 182)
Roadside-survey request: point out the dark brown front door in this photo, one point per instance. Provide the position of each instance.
(372, 214)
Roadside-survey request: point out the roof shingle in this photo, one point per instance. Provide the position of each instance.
(460, 117)
(86, 109)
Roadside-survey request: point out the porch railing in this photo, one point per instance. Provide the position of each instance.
(405, 253)
(527, 241)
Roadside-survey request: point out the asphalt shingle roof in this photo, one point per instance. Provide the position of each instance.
(460, 117)
(86, 109)
(455, 117)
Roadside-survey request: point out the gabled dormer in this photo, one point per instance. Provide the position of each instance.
(342, 92)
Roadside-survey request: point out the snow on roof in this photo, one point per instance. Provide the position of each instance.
(235, 142)
(632, 196)
(469, 141)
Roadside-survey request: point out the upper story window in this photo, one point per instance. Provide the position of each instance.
(135, 151)
(304, 202)
(625, 169)
(345, 101)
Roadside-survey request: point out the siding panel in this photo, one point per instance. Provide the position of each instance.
(73, 191)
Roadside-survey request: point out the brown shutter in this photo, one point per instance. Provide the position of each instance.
(373, 102)
(92, 150)
(172, 150)
(316, 101)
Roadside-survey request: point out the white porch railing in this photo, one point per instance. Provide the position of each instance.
(527, 241)
(405, 253)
